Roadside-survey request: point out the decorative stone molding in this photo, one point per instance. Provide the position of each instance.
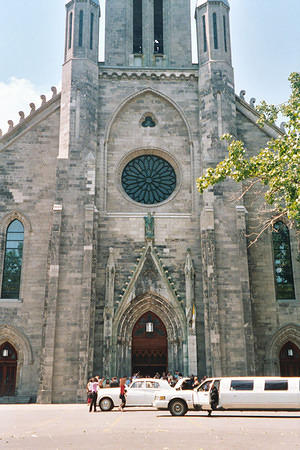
(15, 215)
(110, 279)
(173, 319)
(249, 111)
(149, 151)
(127, 292)
(147, 115)
(33, 111)
(21, 343)
(148, 75)
(189, 289)
(289, 332)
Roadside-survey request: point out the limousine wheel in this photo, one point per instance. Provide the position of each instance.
(106, 404)
(178, 408)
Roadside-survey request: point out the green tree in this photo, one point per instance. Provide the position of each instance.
(277, 166)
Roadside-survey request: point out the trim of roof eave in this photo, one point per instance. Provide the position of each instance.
(30, 121)
(269, 129)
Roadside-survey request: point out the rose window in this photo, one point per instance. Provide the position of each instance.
(149, 179)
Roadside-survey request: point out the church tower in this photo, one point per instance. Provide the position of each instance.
(80, 73)
(148, 33)
(222, 224)
(74, 209)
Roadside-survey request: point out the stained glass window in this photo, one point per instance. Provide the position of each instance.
(283, 270)
(13, 260)
(149, 179)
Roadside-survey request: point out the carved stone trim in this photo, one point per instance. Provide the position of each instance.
(148, 75)
(289, 332)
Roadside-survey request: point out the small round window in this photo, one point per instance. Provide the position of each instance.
(149, 179)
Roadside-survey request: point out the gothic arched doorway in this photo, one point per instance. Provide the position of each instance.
(149, 345)
(290, 360)
(8, 369)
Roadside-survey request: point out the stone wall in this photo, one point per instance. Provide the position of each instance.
(28, 171)
(269, 315)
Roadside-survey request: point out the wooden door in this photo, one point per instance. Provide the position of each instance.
(8, 370)
(290, 360)
(149, 348)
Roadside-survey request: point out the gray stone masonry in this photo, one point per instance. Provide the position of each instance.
(89, 273)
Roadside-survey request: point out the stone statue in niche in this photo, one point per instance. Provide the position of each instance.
(149, 226)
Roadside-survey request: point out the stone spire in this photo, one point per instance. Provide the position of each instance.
(82, 30)
(213, 31)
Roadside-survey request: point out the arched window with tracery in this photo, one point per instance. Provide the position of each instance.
(12, 267)
(283, 268)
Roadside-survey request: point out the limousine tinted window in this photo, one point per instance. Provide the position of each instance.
(274, 385)
(241, 385)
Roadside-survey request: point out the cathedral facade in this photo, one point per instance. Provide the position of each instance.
(111, 262)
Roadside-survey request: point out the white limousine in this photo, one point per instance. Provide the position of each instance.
(237, 393)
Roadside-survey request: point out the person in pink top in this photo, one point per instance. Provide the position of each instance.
(93, 388)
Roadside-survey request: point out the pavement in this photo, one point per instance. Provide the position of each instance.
(73, 427)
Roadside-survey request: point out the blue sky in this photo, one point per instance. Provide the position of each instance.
(265, 46)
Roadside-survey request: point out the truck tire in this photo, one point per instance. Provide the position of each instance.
(178, 408)
(106, 404)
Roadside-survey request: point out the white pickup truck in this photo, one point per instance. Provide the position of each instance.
(238, 393)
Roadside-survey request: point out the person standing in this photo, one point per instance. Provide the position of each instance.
(94, 387)
(89, 391)
(122, 393)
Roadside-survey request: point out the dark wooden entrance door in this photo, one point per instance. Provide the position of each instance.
(290, 360)
(8, 369)
(149, 346)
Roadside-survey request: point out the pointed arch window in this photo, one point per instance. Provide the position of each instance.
(11, 279)
(137, 26)
(80, 28)
(92, 32)
(283, 268)
(204, 34)
(70, 29)
(215, 28)
(225, 33)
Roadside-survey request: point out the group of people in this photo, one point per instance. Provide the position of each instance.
(97, 382)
